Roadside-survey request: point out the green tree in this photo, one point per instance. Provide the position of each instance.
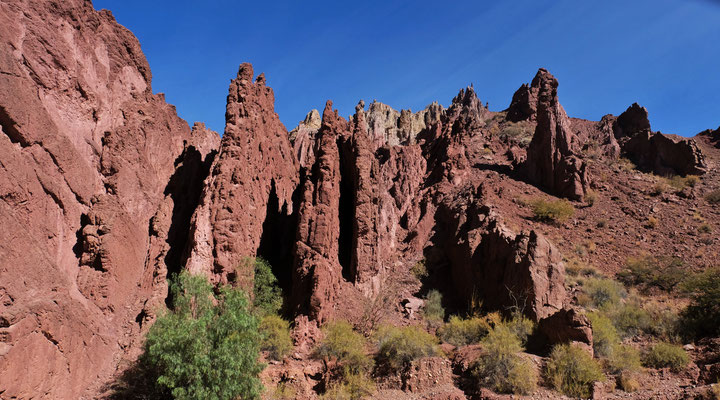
(207, 347)
(268, 297)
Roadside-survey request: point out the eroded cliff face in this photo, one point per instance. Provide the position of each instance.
(105, 193)
(89, 156)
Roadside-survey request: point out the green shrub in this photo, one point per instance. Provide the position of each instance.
(433, 309)
(702, 317)
(623, 358)
(501, 367)
(398, 346)
(713, 197)
(276, 339)
(345, 346)
(419, 270)
(681, 182)
(520, 326)
(552, 210)
(628, 381)
(603, 292)
(572, 371)
(202, 350)
(666, 355)
(630, 319)
(461, 332)
(653, 271)
(605, 337)
(267, 295)
(354, 386)
(283, 391)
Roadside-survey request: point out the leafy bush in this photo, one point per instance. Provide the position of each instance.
(552, 210)
(461, 332)
(603, 292)
(664, 355)
(702, 317)
(267, 295)
(713, 197)
(202, 350)
(630, 319)
(653, 271)
(398, 346)
(276, 340)
(605, 337)
(345, 346)
(433, 309)
(419, 270)
(501, 367)
(354, 386)
(520, 326)
(572, 371)
(623, 358)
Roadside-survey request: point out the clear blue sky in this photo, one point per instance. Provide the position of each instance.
(663, 54)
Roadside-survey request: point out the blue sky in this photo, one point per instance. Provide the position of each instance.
(663, 54)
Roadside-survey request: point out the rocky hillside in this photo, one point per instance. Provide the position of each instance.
(105, 193)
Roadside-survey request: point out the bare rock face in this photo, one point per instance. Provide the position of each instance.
(523, 105)
(552, 157)
(252, 181)
(386, 126)
(712, 136)
(303, 138)
(510, 270)
(654, 151)
(87, 153)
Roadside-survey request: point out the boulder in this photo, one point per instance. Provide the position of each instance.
(567, 325)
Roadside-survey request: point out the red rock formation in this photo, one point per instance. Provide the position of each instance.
(506, 269)
(318, 274)
(656, 152)
(523, 105)
(552, 160)
(87, 152)
(712, 136)
(252, 179)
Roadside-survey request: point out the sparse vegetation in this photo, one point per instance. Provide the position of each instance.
(354, 386)
(666, 355)
(653, 271)
(572, 371)
(517, 133)
(705, 228)
(652, 222)
(207, 347)
(501, 367)
(713, 197)
(398, 346)
(605, 336)
(624, 358)
(276, 339)
(419, 270)
(345, 347)
(433, 309)
(681, 182)
(283, 391)
(552, 210)
(601, 292)
(460, 332)
(702, 317)
(590, 198)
